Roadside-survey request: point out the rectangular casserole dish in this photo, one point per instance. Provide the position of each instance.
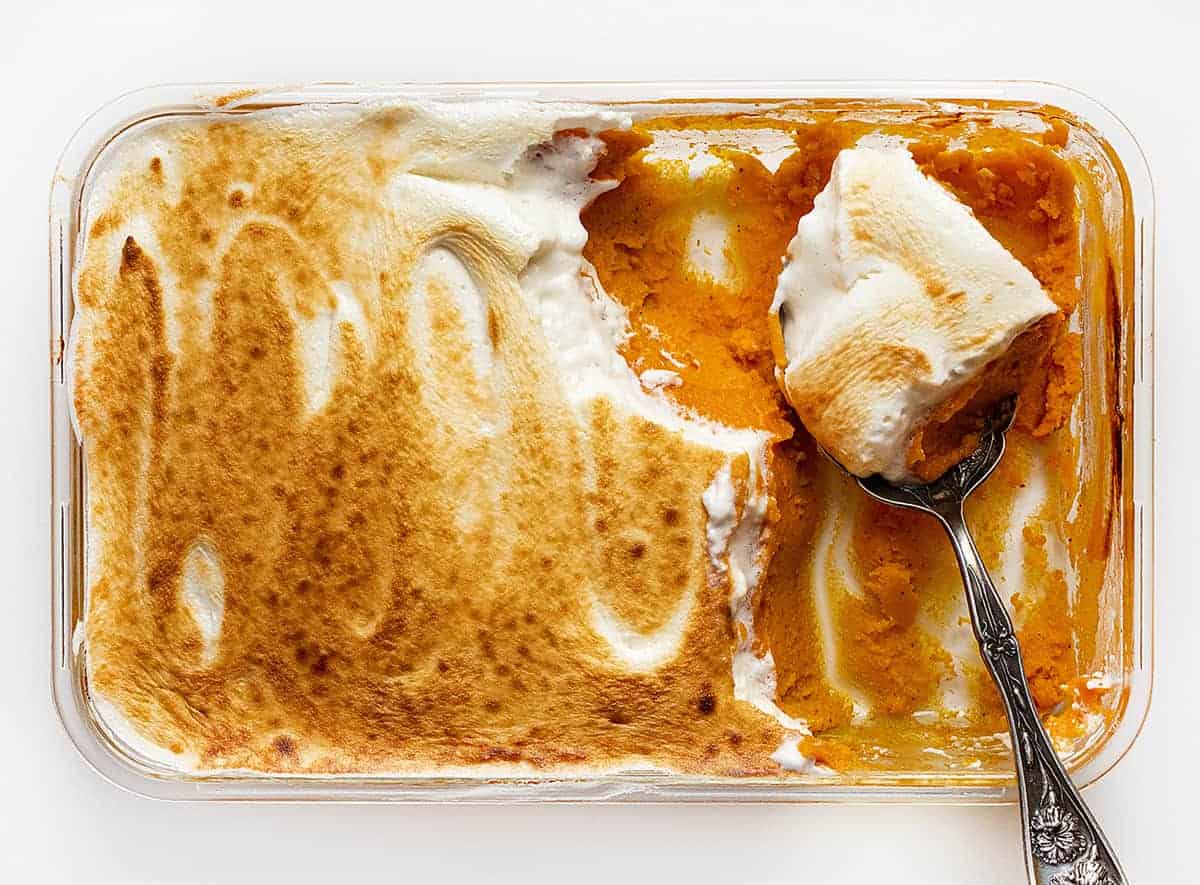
(1127, 213)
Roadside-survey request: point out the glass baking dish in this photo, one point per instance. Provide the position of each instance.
(1128, 215)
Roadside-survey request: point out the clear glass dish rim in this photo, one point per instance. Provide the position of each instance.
(68, 694)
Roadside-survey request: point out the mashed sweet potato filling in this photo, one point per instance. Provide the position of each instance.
(860, 605)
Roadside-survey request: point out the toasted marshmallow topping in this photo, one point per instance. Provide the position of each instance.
(893, 297)
(369, 481)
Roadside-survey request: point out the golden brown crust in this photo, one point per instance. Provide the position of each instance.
(400, 591)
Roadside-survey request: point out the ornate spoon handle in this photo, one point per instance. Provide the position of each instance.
(1063, 842)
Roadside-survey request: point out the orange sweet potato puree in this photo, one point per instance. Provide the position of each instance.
(861, 604)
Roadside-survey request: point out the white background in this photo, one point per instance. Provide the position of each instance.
(58, 61)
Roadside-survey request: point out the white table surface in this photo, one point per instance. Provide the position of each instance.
(60, 822)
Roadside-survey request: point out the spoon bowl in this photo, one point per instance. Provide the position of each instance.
(952, 487)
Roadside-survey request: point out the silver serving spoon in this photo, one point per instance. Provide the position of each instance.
(1063, 842)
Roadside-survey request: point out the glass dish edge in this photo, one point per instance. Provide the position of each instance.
(144, 104)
